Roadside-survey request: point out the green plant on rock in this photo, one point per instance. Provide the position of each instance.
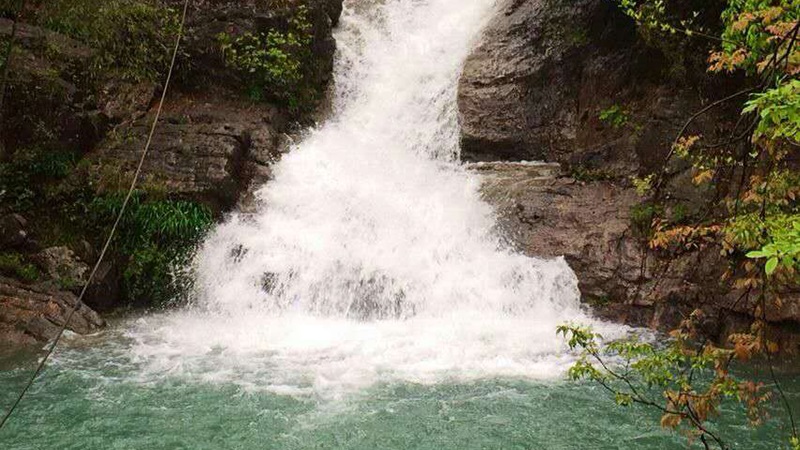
(130, 38)
(587, 174)
(156, 236)
(642, 216)
(13, 264)
(779, 243)
(643, 185)
(81, 201)
(24, 177)
(614, 115)
(274, 63)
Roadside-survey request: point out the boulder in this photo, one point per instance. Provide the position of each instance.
(61, 263)
(588, 223)
(13, 232)
(30, 314)
(206, 148)
(106, 288)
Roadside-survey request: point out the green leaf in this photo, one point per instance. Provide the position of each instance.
(771, 265)
(623, 399)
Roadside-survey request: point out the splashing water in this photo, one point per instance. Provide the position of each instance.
(371, 265)
(372, 256)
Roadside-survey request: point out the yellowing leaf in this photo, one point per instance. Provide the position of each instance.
(703, 176)
(670, 420)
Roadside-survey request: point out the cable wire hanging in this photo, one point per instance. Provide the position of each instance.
(107, 244)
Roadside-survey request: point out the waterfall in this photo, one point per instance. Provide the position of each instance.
(371, 254)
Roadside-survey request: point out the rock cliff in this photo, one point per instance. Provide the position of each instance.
(74, 128)
(573, 83)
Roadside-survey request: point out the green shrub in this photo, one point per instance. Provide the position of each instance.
(642, 216)
(157, 236)
(23, 178)
(14, 265)
(614, 115)
(132, 38)
(274, 63)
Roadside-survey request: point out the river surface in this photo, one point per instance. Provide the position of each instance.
(97, 395)
(369, 302)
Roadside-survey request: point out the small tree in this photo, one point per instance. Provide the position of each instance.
(686, 380)
(757, 230)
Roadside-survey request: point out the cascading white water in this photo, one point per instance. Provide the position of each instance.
(372, 255)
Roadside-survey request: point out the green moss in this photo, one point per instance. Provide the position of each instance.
(131, 38)
(578, 36)
(14, 265)
(69, 284)
(678, 214)
(585, 174)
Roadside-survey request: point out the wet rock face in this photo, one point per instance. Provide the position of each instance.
(212, 144)
(520, 88)
(588, 223)
(544, 213)
(536, 84)
(41, 93)
(30, 314)
(205, 148)
(205, 63)
(534, 88)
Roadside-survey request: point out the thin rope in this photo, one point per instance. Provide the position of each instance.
(78, 303)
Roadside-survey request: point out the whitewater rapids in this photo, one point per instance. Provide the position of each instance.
(372, 257)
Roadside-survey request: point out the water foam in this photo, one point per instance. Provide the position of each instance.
(372, 256)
